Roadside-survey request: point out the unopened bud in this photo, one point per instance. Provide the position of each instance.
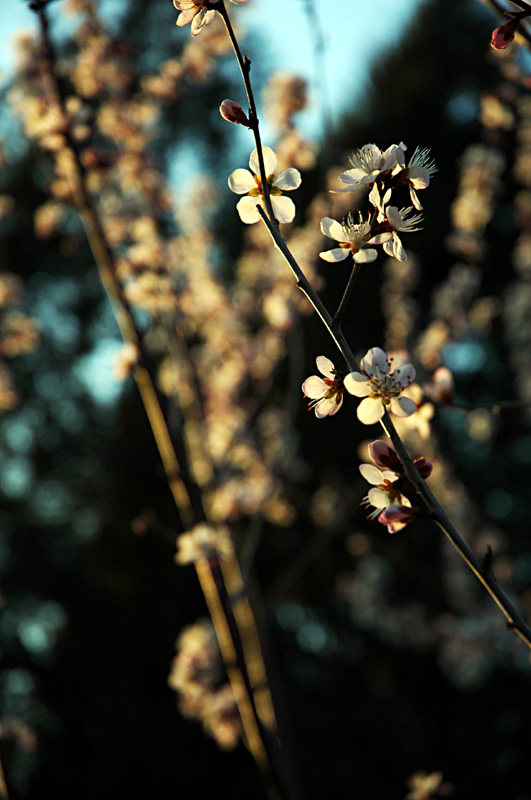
(504, 35)
(384, 456)
(233, 112)
(423, 467)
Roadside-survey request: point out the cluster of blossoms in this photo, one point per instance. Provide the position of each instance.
(204, 541)
(382, 171)
(385, 474)
(376, 383)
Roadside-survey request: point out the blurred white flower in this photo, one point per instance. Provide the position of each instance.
(368, 163)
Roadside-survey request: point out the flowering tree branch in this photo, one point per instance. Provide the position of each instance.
(356, 236)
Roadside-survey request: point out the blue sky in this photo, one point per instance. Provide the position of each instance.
(354, 36)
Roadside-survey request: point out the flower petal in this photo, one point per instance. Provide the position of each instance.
(375, 362)
(288, 179)
(241, 181)
(284, 208)
(404, 375)
(314, 387)
(370, 410)
(325, 366)
(403, 406)
(334, 230)
(270, 161)
(357, 384)
(328, 407)
(371, 474)
(334, 255)
(365, 256)
(378, 498)
(186, 16)
(248, 209)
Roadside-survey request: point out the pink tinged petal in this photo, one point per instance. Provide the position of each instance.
(314, 387)
(324, 408)
(397, 513)
(365, 256)
(248, 209)
(370, 410)
(325, 366)
(283, 208)
(357, 384)
(371, 474)
(241, 181)
(394, 527)
(270, 161)
(335, 255)
(334, 230)
(378, 498)
(403, 406)
(329, 406)
(288, 179)
(404, 375)
(375, 362)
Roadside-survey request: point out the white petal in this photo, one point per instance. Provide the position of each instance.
(186, 16)
(353, 177)
(371, 474)
(378, 498)
(248, 209)
(283, 208)
(357, 384)
(241, 181)
(370, 410)
(203, 18)
(398, 249)
(375, 362)
(365, 256)
(419, 176)
(288, 179)
(404, 375)
(325, 366)
(270, 161)
(414, 198)
(314, 387)
(337, 254)
(328, 407)
(380, 238)
(334, 230)
(403, 406)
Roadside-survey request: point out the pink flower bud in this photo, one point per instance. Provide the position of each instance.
(423, 467)
(402, 514)
(233, 112)
(503, 36)
(384, 456)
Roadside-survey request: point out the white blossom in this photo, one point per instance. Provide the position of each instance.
(354, 238)
(249, 183)
(369, 162)
(380, 387)
(326, 394)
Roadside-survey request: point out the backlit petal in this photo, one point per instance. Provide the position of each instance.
(333, 229)
(288, 179)
(248, 209)
(337, 254)
(403, 406)
(325, 366)
(357, 384)
(370, 410)
(270, 161)
(372, 474)
(241, 181)
(284, 208)
(314, 387)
